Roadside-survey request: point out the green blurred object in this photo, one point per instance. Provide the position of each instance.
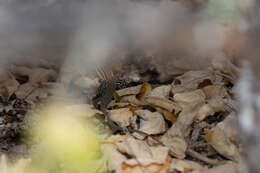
(224, 10)
(67, 144)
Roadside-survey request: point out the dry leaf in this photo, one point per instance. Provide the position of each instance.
(151, 122)
(121, 116)
(8, 85)
(221, 143)
(117, 97)
(190, 80)
(41, 75)
(186, 118)
(214, 105)
(223, 64)
(20, 71)
(185, 98)
(205, 83)
(163, 103)
(35, 75)
(152, 168)
(113, 103)
(35, 94)
(172, 117)
(129, 91)
(132, 99)
(113, 139)
(161, 91)
(25, 90)
(145, 90)
(111, 153)
(214, 90)
(176, 144)
(228, 168)
(182, 165)
(174, 137)
(142, 153)
(3, 164)
(230, 127)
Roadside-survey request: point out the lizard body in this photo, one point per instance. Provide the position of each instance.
(105, 94)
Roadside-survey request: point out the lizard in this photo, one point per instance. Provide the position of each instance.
(105, 94)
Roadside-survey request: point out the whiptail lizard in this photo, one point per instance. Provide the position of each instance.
(104, 96)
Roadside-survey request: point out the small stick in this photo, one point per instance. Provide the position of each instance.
(198, 156)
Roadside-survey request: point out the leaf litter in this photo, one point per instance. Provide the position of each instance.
(190, 117)
(182, 122)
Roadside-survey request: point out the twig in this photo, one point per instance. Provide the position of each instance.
(198, 156)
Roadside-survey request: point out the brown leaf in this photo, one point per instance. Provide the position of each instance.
(129, 91)
(42, 75)
(25, 90)
(145, 90)
(222, 63)
(133, 100)
(117, 97)
(122, 116)
(176, 144)
(163, 103)
(230, 127)
(214, 90)
(111, 153)
(142, 153)
(151, 122)
(191, 80)
(152, 168)
(204, 83)
(191, 97)
(161, 91)
(214, 105)
(8, 85)
(220, 142)
(172, 117)
(174, 137)
(186, 165)
(35, 75)
(228, 167)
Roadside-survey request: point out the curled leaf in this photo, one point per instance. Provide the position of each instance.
(214, 105)
(204, 83)
(161, 91)
(142, 153)
(172, 117)
(184, 165)
(196, 96)
(191, 80)
(214, 90)
(117, 97)
(152, 168)
(221, 143)
(145, 90)
(121, 116)
(133, 100)
(228, 167)
(129, 91)
(151, 122)
(163, 103)
(8, 85)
